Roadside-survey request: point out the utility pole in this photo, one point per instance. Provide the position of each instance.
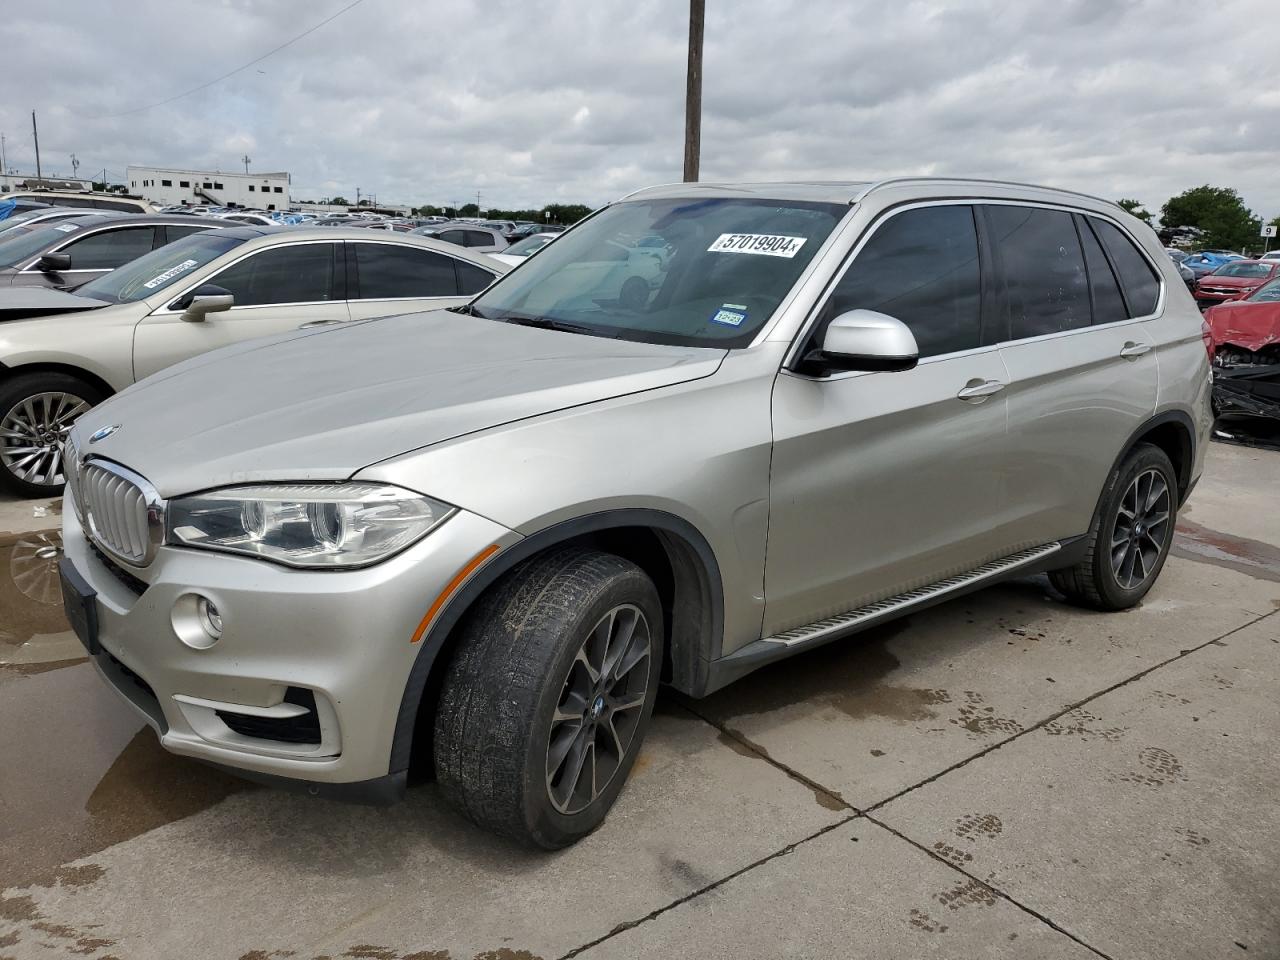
(245, 158)
(357, 196)
(35, 134)
(75, 168)
(693, 92)
(4, 169)
(477, 203)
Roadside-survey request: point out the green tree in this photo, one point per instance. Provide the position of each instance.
(340, 202)
(468, 210)
(1136, 208)
(1218, 211)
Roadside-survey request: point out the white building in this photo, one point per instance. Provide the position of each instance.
(165, 185)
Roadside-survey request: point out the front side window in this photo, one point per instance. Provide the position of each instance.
(920, 266)
(390, 271)
(160, 269)
(732, 261)
(471, 279)
(298, 273)
(1044, 280)
(1137, 279)
(110, 249)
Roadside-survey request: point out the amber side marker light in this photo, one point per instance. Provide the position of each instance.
(472, 566)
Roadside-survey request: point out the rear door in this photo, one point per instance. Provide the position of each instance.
(276, 289)
(1080, 354)
(388, 278)
(882, 482)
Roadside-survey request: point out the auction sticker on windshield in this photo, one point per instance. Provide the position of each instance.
(765, 244)
(169, 274)
(67, 227)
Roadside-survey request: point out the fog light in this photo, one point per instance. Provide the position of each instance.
(197, 621)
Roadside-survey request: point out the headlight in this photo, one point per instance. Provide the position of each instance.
(306, 524)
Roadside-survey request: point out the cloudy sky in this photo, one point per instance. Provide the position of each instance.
(536, 101)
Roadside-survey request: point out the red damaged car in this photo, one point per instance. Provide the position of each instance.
(1235, 280)
(1248, 330)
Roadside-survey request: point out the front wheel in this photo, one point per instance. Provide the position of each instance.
(37, 411)
(1130, 536)
(549, 696)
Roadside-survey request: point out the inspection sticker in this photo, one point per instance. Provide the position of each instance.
(765, 244)
(67, 227)
(730, 314)
(169, 274)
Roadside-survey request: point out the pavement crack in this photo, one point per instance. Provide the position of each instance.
(1040, 724)
(987, 884)
(693, 895)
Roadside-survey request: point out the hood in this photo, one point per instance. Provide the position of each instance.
(321, 404)
(21, 303)
(1233, 283)
(1243, 324)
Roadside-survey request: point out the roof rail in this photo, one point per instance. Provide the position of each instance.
(890, 181)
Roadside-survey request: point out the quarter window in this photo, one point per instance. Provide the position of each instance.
(298, 273)
(1108, 304)
(110, 249)
(471, 279)
(1140, 284)
(921, 266)
(1044, 279)
(389, 271)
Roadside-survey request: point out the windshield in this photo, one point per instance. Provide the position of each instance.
(1243, 270)
(25, 242)
(1267, 294)
(522, 248)
(159, 269)
(720, 270)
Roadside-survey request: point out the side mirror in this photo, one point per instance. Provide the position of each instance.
(204, 299)
(54, 262)
(865, 340)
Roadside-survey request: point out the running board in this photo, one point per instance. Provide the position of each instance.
(814, 634)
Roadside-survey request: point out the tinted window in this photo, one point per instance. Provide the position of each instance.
(471, 279)
(75, 202)
(1044, 278)
(183, 231)
(108, 250)
(1108, 305)
(115, 205)
(1141, 287)
(300, 273)
(477, 239)
(394, 271)
(452, 236)
(921, 267)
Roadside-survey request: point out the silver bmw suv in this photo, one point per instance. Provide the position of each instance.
(710, 427)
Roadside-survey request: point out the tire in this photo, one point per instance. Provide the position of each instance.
(1108, 577)
(55, 401)
(500, 725)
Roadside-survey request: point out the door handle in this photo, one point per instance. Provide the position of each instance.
(979, 390)
(1132, 350)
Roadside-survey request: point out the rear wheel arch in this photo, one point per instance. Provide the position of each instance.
(669, 549)
(1173, 432)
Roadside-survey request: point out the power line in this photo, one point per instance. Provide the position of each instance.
(231, 73)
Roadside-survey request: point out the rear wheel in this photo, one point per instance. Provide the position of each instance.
(1130, 537)
(37, 411)
(549, 696)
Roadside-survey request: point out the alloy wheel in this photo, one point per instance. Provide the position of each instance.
(600, 707)
(1141, 528)
(32, 433)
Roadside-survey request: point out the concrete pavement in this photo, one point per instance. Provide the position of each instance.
(1001, 776)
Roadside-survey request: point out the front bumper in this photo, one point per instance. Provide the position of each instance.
(344, 636)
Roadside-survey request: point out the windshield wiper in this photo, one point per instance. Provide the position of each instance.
(467, 310)
(546, 323)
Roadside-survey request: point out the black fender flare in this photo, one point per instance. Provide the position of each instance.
(706, 568)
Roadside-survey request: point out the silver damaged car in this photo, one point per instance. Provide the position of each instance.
(478, 539)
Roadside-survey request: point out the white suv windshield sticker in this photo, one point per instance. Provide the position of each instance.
(766, 244)
(169, 274)
(67, 227)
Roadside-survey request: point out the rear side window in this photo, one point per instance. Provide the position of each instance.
(1140, 284)
(453, 236)
(471, 279)
(390, 271)
(921, 267)
(116, 205)
(299, 273)
(178, 232)
(110, 249)
(1108, 305)
(477, 239)
(1043, 270)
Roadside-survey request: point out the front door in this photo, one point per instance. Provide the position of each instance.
(276, 289)
(883, 482)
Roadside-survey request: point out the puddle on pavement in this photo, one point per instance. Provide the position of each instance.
(1191, 541)
(80, 770)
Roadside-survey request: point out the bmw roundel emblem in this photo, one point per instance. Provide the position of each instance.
(103, 433)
